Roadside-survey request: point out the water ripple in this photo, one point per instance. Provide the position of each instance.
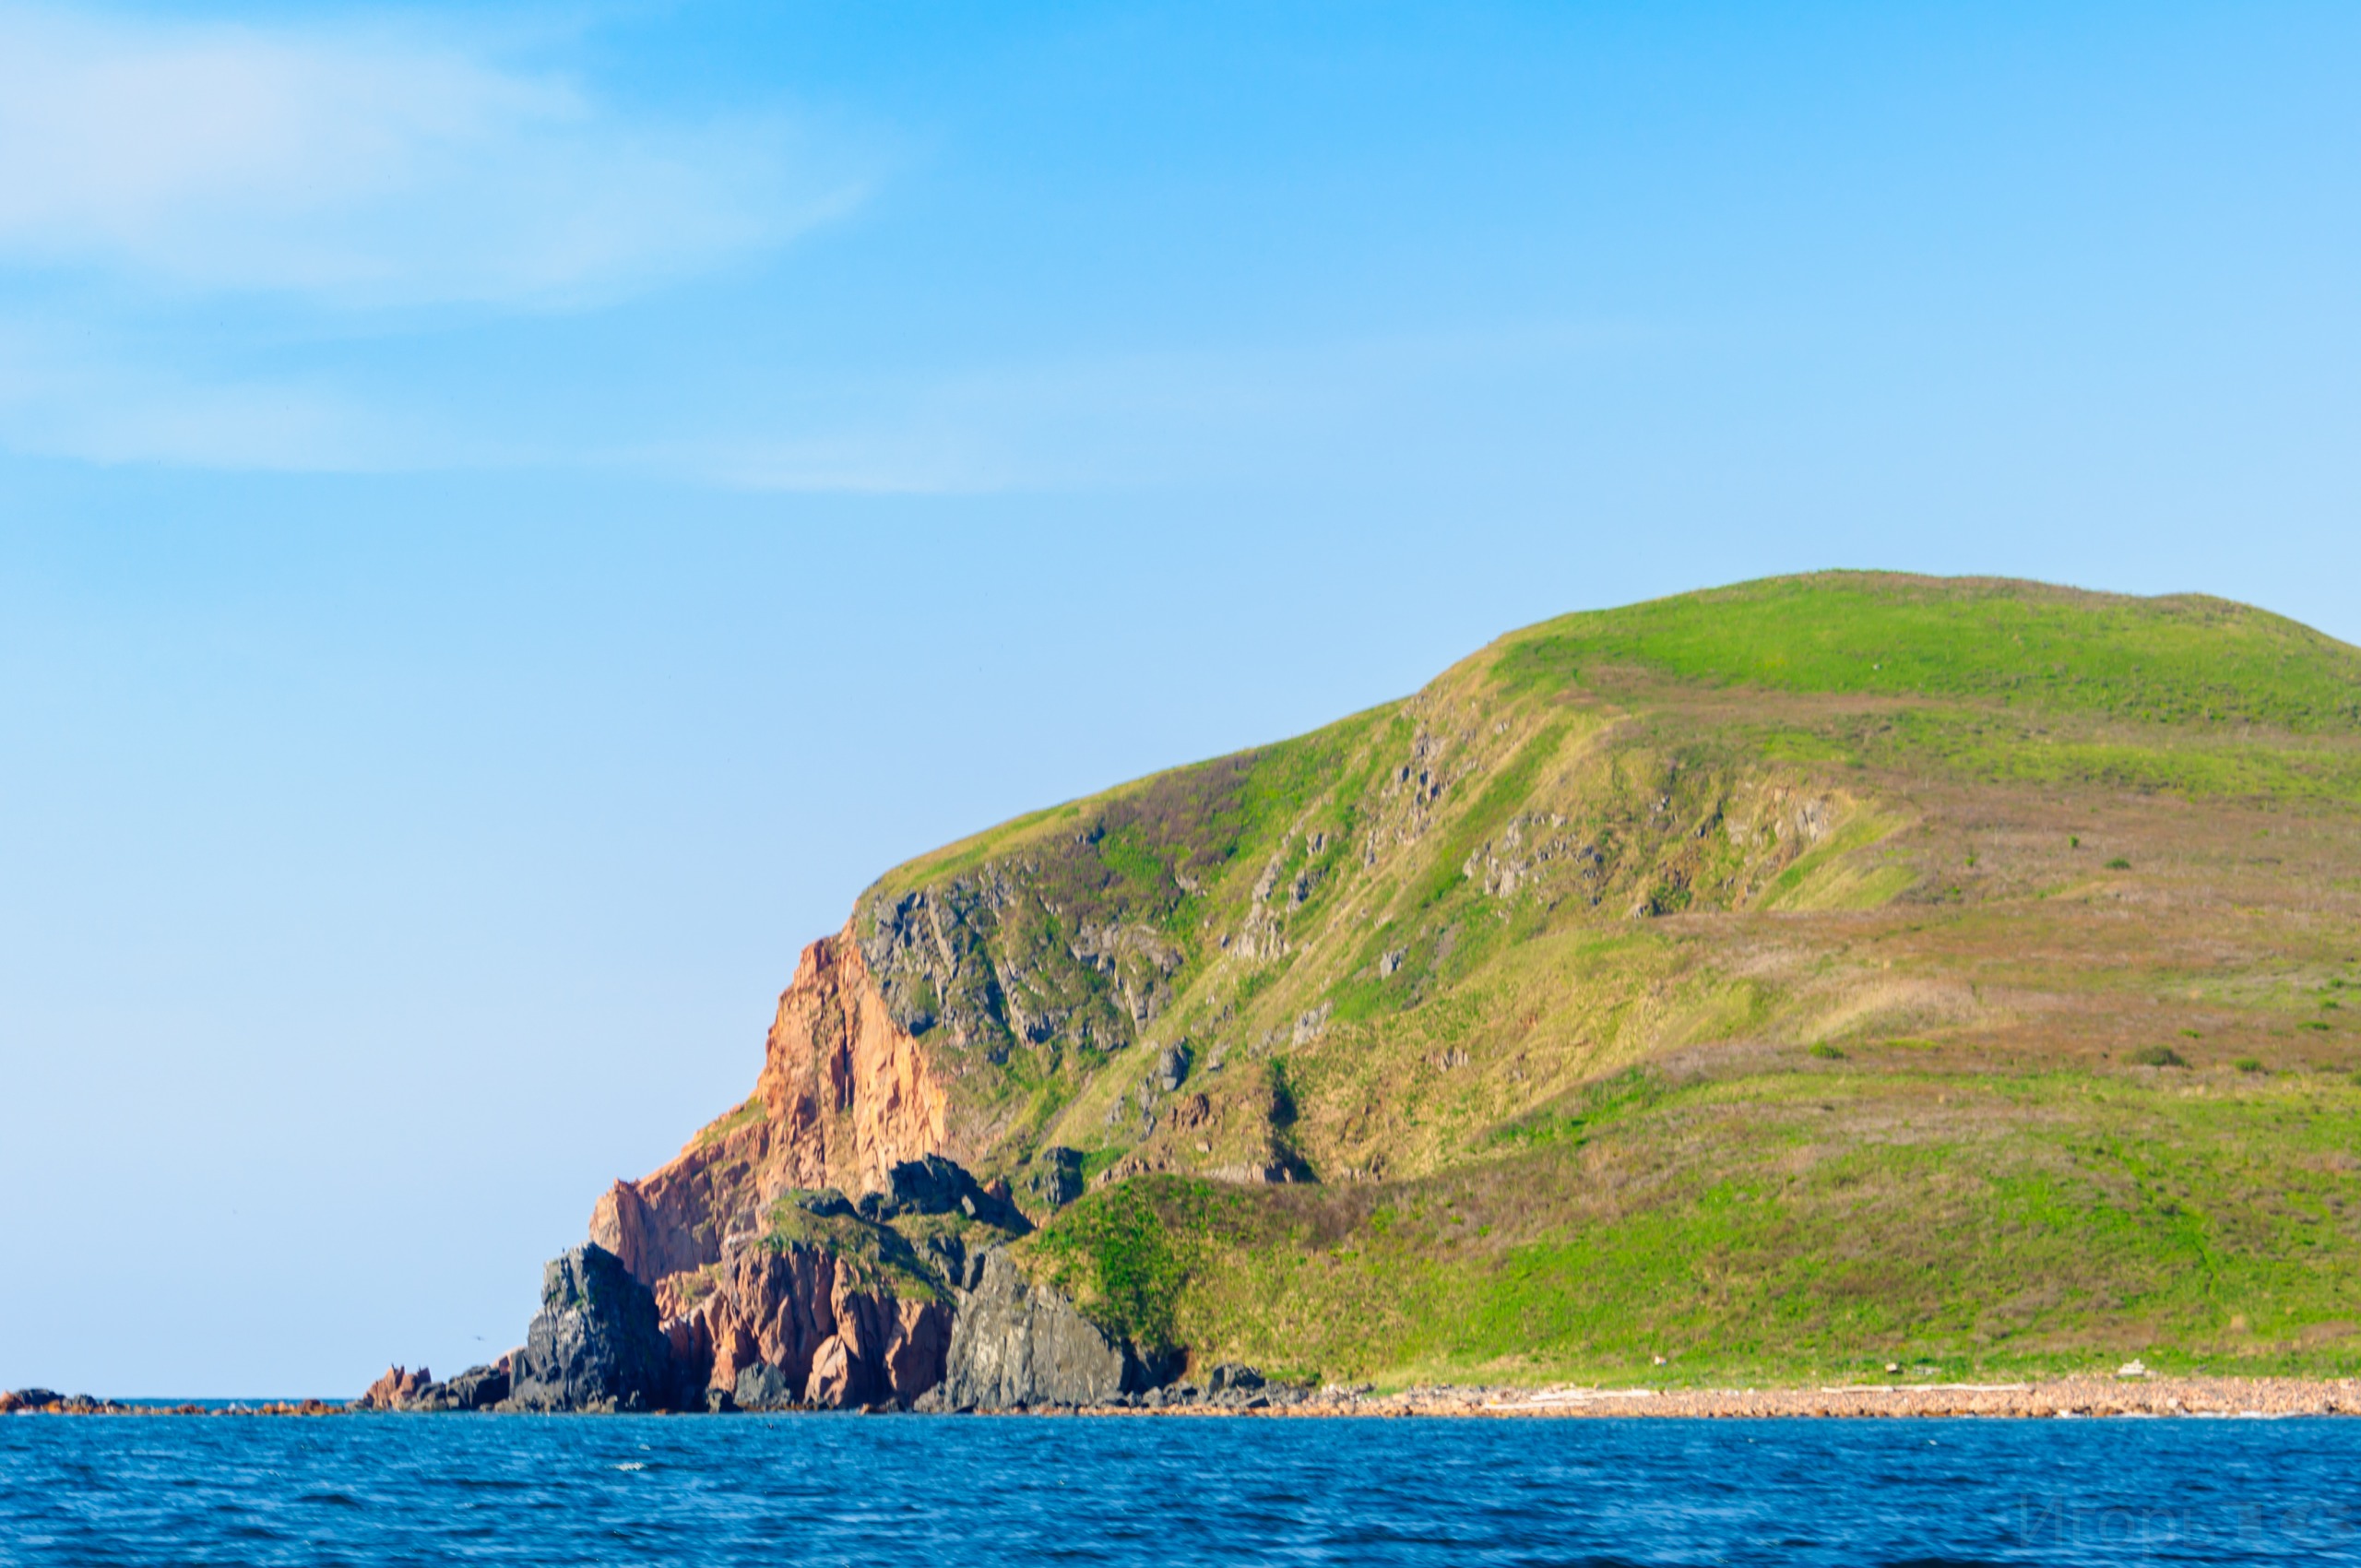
(1628, 1494)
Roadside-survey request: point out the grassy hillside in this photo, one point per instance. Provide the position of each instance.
(1786, 980)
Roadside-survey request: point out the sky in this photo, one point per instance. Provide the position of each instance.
(512, 515)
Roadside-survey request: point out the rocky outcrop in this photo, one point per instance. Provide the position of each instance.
(49, 1401)
(594, 1343)
(936, 1185)
(478, 1388)
(1055, 1178)
(394, 1389)
(797, 1325)
(1016, 1344)
(845, 1095)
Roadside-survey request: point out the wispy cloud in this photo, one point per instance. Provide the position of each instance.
(64, 396)
(1140, 418)
(367, 167)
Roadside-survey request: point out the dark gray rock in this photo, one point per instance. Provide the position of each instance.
(949, 1255)
(1231, 1376)
(1056, 1178)
(594, 1344)
(1172, 1067)
(931, 1185)
(478, 1388)
(761, 1387)
(936, 1185)
(1016, 1343)
(962, 1268)
(824, 1202)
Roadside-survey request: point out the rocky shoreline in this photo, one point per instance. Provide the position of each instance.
(910, 1299)
(2094, 1395)
(1233, 1391)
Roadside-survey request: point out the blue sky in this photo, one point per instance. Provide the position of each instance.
(513, 515)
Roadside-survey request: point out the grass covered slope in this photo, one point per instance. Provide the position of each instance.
(1784, 979)
(2177, 660)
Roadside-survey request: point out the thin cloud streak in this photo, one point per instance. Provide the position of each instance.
(369, 169)
(66, 401)
(1122, 420)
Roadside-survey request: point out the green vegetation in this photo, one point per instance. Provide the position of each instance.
(1749, 978)
(747, 1114)
(2186, 659)
(1758, 1227)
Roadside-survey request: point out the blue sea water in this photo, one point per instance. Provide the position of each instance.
(914, 1490)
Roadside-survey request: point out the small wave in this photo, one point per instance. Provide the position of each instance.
(632, 1464)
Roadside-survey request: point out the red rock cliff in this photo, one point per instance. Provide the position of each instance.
(834, 1341)
(844, 1094)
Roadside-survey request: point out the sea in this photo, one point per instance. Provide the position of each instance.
(914, 1490)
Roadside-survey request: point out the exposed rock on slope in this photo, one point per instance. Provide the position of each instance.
(594, 1344)
(1016, 1343)
(844, 1094)
(797, 1325)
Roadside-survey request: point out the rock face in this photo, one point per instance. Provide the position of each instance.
(396, 1389)
(594, 1344)
(1055, 1180)
(936, 1185)
(1016, 1343)
(845, 1095)
(478, 1388)
(1233, 1377)
(764, 1387)
(795, 1324)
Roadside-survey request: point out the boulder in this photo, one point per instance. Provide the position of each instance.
(1232, 1376)
(1172, 1068)
(823, 1201)
(1014, 1343)
(594, 1343)
(1056, 1179)
(480, 1388)
(761, 1387)
(936, 1185)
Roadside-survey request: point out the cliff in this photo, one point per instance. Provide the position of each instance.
(844, 1095)
(1810, 974)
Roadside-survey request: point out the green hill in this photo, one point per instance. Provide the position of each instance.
(1783, 980)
